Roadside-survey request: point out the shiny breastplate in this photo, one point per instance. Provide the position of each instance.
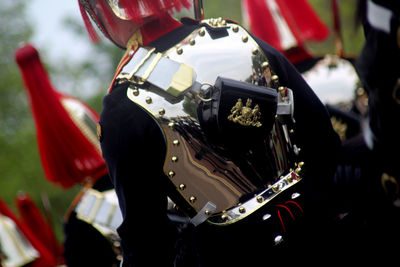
(215, 186)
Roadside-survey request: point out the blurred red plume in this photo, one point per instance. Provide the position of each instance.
(46, 259)
(68, 147)
(267, 18)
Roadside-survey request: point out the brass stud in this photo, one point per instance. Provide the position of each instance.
(192, 41)
(289, 178)
(242, 210)
(161, 111)
(265, 65)
(174, 159)
(171, 125)
(235, 28)
(171, 174)
(224, 217)
(202, 32)
(148, 100)
(278, 240)
(207, 212)
(275, 188)
(175, 142)
(291, 131)
(260, 199)
(254, 51)
(245, 39)
(266, 216)
(275, 78)
(223, 22)
(182, 186)
(297, 170)
(192, 199)
(301, 164)
(179, 50)
(135, 92)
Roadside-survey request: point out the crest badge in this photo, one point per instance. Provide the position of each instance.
(245, 115)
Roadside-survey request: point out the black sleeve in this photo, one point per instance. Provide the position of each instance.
(133, 148)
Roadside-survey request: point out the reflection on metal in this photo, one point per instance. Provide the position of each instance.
(236, 180)
(333, 79)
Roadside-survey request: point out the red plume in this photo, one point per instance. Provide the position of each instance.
(69, 150)
(46, 259)
(33, 219)
(297, 15)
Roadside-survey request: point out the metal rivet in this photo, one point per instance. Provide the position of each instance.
(254, 51)
(192, 199)
(260, 199)
(117, 244)
(245, 39)
(289, 178)
(265, 65)
(275, 187)
(297, 170)
(278, 239)
(301, 164)
(291, 131)
(148, 100)
(161, 111)
(235, 28)
(174, 159)
(202, 32)
(192, 42)
(266, 216)
(175, 142)
(275, 78)
(223, 22)
(135, 92)
(171, 174)
(224, 217)
(207, 212)
(295, 195)
(242, 210)
(182, 186)
(171, 125)
(179, 50)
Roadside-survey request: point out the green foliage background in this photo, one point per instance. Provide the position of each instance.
(20, 167)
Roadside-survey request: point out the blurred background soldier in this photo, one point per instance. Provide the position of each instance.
(70, 154)
(164, 130)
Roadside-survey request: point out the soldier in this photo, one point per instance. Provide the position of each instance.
(165, 132)
(71, 155)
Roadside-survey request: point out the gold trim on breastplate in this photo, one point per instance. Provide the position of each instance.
(199, 174)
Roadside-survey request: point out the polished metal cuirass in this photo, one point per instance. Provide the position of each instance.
(213, 184)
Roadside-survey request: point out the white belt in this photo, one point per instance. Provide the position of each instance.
(101, 209)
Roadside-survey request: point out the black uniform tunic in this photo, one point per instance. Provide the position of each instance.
(134, 149)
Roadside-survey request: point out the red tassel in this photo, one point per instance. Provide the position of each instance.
(88, 24)
(46, 259)
(33, 219)
(132, 10)
(158, 8)
(108, 14)
(68, 156)
(302, 20)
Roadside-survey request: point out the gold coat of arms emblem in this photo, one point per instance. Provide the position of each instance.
(245, 115)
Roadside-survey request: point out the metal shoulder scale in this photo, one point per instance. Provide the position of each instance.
(228, 124)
